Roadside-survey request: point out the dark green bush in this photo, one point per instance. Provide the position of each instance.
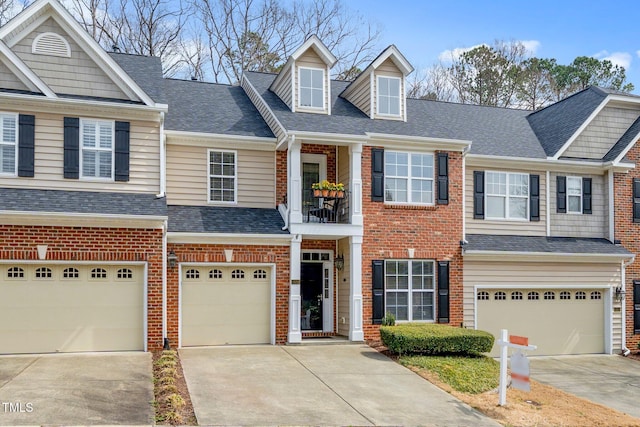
(429, 338)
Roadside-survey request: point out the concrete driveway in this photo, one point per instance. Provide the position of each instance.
(76, 389)
(609, 380)
(315, 385)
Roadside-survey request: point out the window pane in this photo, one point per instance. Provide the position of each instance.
(574, 186)
(89, 163)
(383, 87)
(105, 136)
(574, 204)
(518, 185)
(422, 303)
(104, 158)
(421, 191)
(8, 129)
(395, 190)
(89, 135)
(518, 207)
(305, 97)
(495, 207)
(396, 164)
(496, 183)
(397, 303)
(316, 98)
(305, 78)
(7, 158)
(422, 166)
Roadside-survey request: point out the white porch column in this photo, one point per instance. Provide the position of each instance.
(355, 292)
(295, 302)
(295, 182)
(355, 185)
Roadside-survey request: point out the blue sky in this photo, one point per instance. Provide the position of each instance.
(424, 29)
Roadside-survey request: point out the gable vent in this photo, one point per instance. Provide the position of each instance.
(51, 44)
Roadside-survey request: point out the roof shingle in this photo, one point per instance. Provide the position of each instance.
(213, 219)
(542, 244)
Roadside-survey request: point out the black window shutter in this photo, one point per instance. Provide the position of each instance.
(377, 175)
(478, 194)
(378, 291)
(443, 178)
(636, 199)
(534, 197)
(636, 307)
(71, 147)
(122, 151)
(26, 144)
(586, 195)
(443, 291)
(561, 196)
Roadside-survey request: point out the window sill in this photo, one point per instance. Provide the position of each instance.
(412, 207)
(505, 219)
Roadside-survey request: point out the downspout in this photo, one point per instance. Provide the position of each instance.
(163, 155)
(625, 350)
(612, 230)
(465, 151)
(164, 283)
(288, 208)
(547, 214)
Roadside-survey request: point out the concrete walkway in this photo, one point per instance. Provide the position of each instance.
(315, 385)
(612, 381)
(76, 389)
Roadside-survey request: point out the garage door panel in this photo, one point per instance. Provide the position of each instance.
(78, 314)
(571, 326)
(225, 310)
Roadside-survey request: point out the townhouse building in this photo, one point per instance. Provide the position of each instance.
(139, 211)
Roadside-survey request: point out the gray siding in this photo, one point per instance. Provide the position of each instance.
(581, 225)
(8, 80)
(77, 75)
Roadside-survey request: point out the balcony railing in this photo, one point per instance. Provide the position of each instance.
(330, 209)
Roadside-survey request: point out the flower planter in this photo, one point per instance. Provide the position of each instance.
(339, 194)
(332, 193)
(325, 193)
(317, 193)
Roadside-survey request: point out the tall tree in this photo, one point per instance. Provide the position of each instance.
(259, 35)
(9, 9)
(536, 85)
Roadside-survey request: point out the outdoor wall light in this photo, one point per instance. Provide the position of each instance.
(619, 293)
(172, 259)
(339, 262)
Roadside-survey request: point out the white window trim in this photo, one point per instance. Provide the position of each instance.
(378, 96)
(409, 178)
(324, 90)
(410, 291)
(579, 179)
(507, 196)
(235, 177)
(113, 149)
(14, 144)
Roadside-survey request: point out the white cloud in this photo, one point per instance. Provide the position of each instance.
(623, 59)
(531, 46)
(638, 53)
(450, 55)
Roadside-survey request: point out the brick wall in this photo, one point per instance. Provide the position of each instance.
(18, 242)
(434, 232)
(629, 234)
(278, 255)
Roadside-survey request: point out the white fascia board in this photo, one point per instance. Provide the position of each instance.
(626, 150)
(397, 57)
(71, 218)
(412, 142)
(23, 16)
(43, 104)
(257, 143)
(230, 238)
(329, 138)
(323, 51)
(624, 99)
(24, 73)
(582, 127)
(480, 255)
(483, 160)
(263, 103)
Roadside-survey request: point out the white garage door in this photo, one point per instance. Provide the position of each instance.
(67, 308)
(557, 321)
(225, 305)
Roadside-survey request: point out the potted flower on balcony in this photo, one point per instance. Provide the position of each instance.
(339, 190)
(317, 190)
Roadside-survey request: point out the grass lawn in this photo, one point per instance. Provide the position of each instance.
(474, 379)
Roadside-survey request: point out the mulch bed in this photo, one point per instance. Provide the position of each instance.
(186, 412)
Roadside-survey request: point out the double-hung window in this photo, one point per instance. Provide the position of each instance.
(574, 194)
(410, 290)
(389, 96)
(96, 138)
(507, 195)
(8, 143)
(311, 87)
(222, 176)
(408, 177)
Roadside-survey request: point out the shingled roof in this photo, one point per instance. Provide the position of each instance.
(146, 71)
(81, 202)
(212, 108)
(541, 244)
(214, 219)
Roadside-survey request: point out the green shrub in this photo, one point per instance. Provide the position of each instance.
(389, 319)
(421, 338)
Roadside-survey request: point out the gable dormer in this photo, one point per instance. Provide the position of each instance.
(379, 91)
(304, 83)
